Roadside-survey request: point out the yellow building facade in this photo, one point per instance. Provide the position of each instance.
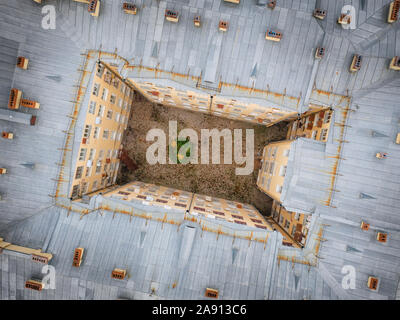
(273, 169)
(293, 226)
(152, 195)
(107, 117)
(311, 125)
(194, 204)
(229, 211)
(214, 104)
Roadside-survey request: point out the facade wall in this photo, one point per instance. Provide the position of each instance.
(230, 211)
(106, 120)
(273, 169)
(293, 226)
(194, 204)
(219, 106)
(312, 125)
(153, 195)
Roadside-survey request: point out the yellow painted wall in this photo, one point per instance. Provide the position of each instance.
(153, 195)
(106, 112)
(312, 125)
(230, 211)
(287, 222)
(227, 108)
(271, 175)
(196, 204)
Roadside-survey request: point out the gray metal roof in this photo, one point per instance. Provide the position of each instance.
(154, 252)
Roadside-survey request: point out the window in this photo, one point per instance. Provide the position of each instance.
(266, 166)
(109, 114)
(82, 154)
(86, 133)
(282, 171)
(287, 224)
(96, 89)
(120, 103)
(75, 191)
(88, 171)
(268, 184)
(104, 94)
(113, 98)
(84, 187)
(78, 173)
(286, 152)
(101, 154)
(271, 168)
(109, 154)
(314, 135)
(92, 107)
(274, 152)
(92, 153)
(324, 134)
(278, 189)
(105, 134)
(94, 186)
(237, 217)
(122, 119)
(115, 83)
(117, 115)
(119, 136)
(98, 167)
(100, 113)
(113, 134)
(96, 132)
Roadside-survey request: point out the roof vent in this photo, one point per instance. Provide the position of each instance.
(364, 226)
(271, 4)
(211, 293)
(197, 21)
(7, 135)
(344, 19)
(3, 170)
(381, 236)
(393, 11)
(172, 16)
(14, 99)
(356, 63)
(94, 7)
(373, 283)
(34, 285)
(22, 63)
(40, 259)
(319, 14)
(223, 25)
(319, 53)
(118, 274)
(395, 63)
(273, 35)
(78, 254)
(129, 8)
(30, 104)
